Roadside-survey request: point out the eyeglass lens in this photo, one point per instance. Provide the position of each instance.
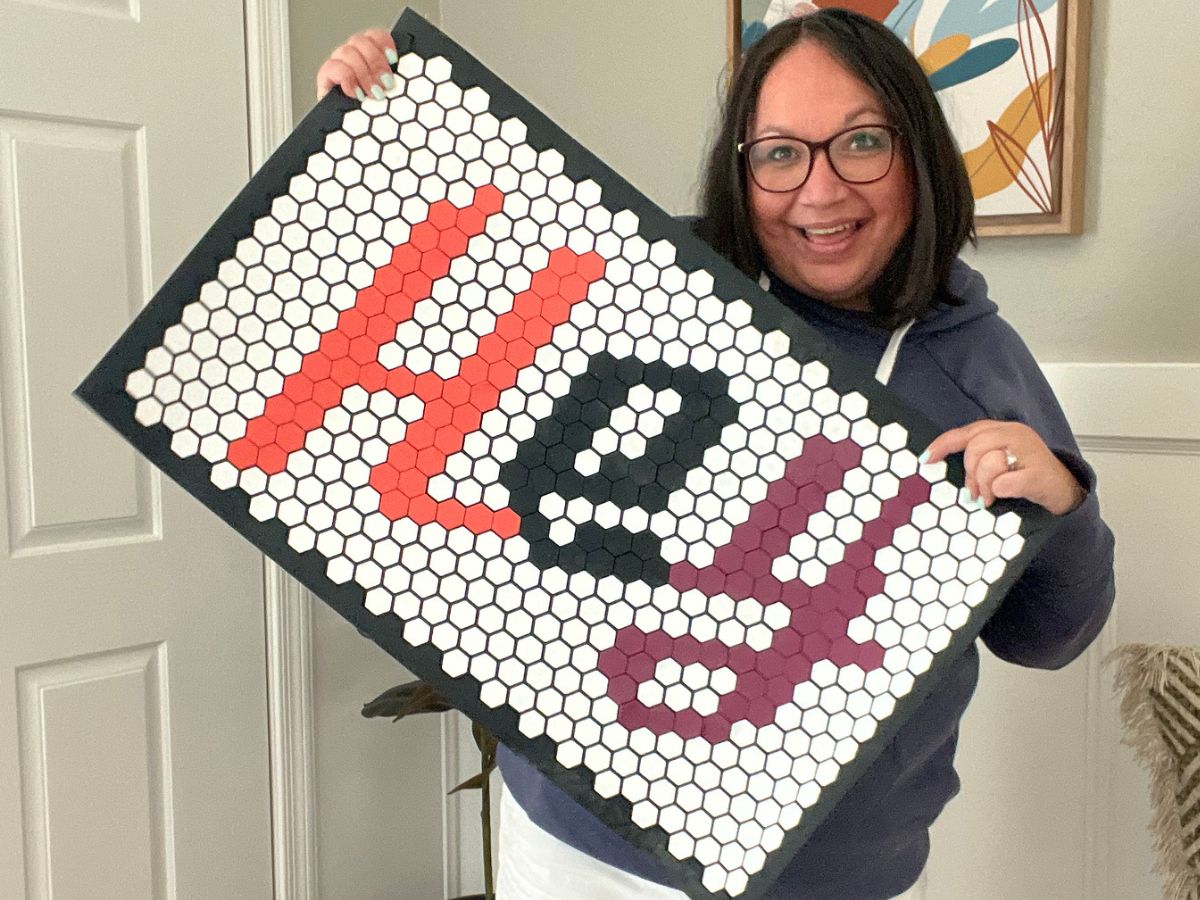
(858, 155)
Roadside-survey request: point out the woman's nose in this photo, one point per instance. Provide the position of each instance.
(823, 184)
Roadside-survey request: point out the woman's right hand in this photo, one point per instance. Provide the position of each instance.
(361, 66)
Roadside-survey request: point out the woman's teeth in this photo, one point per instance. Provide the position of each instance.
(824, 232)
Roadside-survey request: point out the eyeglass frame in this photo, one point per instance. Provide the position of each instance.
(813, 147)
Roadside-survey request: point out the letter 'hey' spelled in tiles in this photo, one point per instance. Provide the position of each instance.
(556, 456)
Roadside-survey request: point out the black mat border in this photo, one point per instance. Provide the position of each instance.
(103, 390)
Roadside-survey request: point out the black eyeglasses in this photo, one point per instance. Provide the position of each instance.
(858, 155)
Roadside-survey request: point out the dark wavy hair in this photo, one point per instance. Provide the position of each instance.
(944, 208)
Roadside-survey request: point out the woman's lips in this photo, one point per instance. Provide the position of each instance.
(830, 238)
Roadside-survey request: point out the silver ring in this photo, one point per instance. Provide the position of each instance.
(1010, 459)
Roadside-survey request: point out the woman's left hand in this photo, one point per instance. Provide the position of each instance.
(1008, 459)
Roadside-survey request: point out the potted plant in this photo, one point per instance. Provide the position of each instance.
(417, 697)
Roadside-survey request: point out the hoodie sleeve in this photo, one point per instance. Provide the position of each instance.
(1062, 600)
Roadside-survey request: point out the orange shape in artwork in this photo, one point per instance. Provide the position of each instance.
(345, 372)
(438, 412)
(372, 377)
(590, 266)
(470, 221)
(364, 349)
(478, 518)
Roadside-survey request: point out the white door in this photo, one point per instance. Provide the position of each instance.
(133, 745)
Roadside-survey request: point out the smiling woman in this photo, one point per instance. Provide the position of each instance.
(883, 239)
(829, 236)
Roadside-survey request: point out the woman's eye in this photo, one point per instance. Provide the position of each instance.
(777, 154)
(865, 141)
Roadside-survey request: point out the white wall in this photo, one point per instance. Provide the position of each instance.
(1126, 289)
(635, 82)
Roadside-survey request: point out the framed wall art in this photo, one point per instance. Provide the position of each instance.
(1012, 78)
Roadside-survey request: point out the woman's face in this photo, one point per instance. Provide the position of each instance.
(828, 238)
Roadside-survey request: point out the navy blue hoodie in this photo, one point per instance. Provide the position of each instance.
(957, 365)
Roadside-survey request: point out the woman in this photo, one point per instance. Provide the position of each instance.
(835, 181)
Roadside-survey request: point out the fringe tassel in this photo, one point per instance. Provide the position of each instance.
(1140, 670)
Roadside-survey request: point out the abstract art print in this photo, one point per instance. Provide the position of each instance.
(1011, 76)
(544, 447)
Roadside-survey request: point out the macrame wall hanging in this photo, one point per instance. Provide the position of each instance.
(562, 461)
(1159, 687)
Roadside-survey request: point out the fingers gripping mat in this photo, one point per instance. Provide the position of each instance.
(557, 457)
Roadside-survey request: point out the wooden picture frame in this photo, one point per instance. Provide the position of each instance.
(1033, 145)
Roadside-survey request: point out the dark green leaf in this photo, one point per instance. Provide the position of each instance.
(405, 700)
(474, 783)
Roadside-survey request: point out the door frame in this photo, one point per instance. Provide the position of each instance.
(286, 603)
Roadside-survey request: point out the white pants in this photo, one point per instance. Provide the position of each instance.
(535, 865)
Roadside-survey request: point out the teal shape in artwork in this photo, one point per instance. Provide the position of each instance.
(975, 62)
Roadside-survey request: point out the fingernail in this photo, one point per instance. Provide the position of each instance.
(923, 458)
(359, 95)
(376, 92)
(391, 56)
(388, 80)
(978, 503)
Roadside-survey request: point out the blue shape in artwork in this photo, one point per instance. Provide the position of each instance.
(901, 19)
(975, 62)
(973, 18)
(979, 17)
(751, 32)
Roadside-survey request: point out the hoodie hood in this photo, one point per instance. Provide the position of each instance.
(964, 282)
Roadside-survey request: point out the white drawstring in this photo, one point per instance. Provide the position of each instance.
(887, 362)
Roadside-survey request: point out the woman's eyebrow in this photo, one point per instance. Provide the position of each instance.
(865, 109)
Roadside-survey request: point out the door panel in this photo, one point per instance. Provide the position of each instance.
(133, 745)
